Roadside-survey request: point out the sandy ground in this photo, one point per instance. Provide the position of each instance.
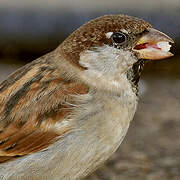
(151, 149)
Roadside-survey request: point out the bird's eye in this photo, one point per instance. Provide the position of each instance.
(119, 38)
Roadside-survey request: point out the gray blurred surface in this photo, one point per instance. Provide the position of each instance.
(88, 5)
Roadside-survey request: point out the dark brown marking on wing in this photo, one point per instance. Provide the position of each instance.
(17, 75)
(20, 93)
(34, 104)
(6, 158)
(3, 142)
(26, 134)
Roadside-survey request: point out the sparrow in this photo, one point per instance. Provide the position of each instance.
(65, 113)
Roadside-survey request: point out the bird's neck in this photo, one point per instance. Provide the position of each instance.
(133, 75)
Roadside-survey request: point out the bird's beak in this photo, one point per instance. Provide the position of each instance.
(153, 45)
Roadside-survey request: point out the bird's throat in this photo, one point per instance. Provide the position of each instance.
(133, 74)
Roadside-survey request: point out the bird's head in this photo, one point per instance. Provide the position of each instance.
(114, 45)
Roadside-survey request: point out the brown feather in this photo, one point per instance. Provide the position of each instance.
(31, 108)
(5, 158)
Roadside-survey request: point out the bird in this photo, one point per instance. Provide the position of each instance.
(64, 114)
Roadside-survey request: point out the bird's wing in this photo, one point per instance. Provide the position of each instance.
(34, 108)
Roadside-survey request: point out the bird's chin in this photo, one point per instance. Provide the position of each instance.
(154, 45)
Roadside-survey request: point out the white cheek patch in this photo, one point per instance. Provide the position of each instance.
(107, 60)
(109, 34)
(164, 46)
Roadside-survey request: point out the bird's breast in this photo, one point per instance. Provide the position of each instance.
(104, 127)
(102, 121)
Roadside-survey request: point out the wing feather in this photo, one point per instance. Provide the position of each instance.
(35, 102)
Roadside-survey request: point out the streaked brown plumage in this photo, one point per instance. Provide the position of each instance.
(27, 131)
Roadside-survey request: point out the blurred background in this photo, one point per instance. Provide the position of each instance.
(151, 149)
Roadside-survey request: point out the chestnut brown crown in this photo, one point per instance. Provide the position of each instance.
(93, 34)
